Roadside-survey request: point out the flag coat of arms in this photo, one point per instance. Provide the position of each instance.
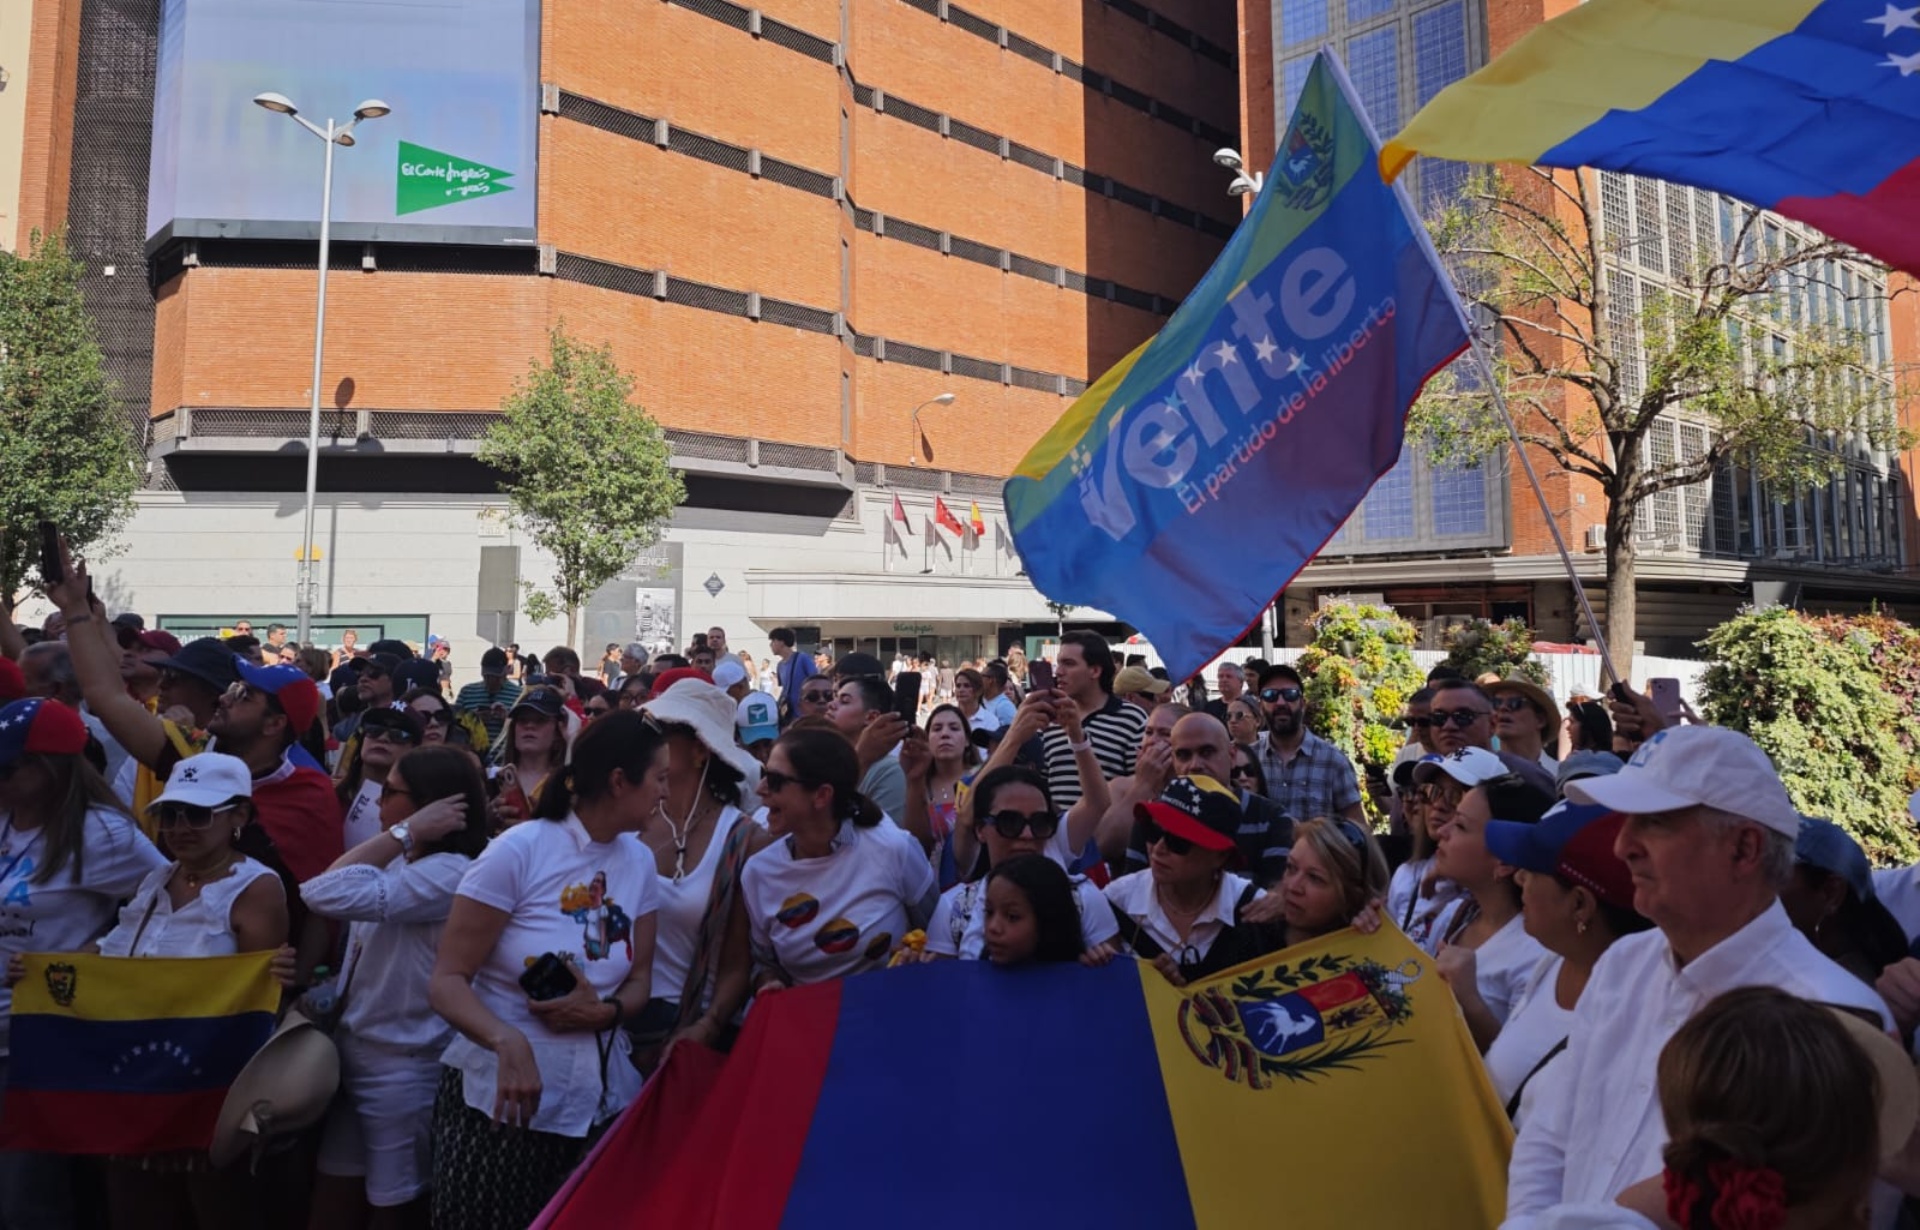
(1273, 400)
(122, 1055)
(1245, 1100)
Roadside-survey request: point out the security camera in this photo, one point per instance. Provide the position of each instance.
(1228, 158)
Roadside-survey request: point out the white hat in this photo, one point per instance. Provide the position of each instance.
(1469, 766)
(211, 779)
(757, 718)
(709, 713)
(727, 672)
(286, 1087)
(1695, 766)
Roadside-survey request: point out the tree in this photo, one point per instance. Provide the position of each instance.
(1587, 377)
(1359, 671)
(584, 468)
(1060, 612)
(67, 453)
(1480, 647)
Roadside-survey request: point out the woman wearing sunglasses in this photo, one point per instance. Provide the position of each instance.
(836, 891)
(1013, 815)
(381, 738)
(395, 889)
(69, 854)
(1246, 773)
(1418, 894)
(1247, 724)
(439, 723)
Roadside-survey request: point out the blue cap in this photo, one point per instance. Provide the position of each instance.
(1826, 845)
(1573, 842)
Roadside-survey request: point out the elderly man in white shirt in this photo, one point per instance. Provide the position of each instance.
(1709, 839)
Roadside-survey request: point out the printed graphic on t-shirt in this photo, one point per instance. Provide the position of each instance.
(797, 911)
(603, 923)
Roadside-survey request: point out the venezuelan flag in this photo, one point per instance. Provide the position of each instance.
(959, 1094)
(1810, 108)
(130, 1056)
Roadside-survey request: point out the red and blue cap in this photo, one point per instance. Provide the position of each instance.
(298, 695)
(38, 726)
(1572, 841)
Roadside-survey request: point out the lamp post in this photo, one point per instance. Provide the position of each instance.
(333, 134)
(1244, 181)
(942, 399)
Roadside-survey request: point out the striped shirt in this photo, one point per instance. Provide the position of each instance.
(474, 698)
(1115, 732)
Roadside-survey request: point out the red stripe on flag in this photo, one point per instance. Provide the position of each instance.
(1880, 222)
(63, 1121)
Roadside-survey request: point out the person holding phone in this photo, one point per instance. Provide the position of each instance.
(531, 750)
(547, 952)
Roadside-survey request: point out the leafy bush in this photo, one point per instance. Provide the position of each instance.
(1505, 649)
(1359, 671)
(1811, 694)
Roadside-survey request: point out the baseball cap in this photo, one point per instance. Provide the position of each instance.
(207, 780)
(13, 684)
(379, 664)
(493, 662)
(434, 642)
(1469, 766)
(130, 619)
(1826, 845)
(727, 672)
(394, 717)
(1138, 679)
(40, 727)
(298, 695)
(547, 702)
(1696, 766)
(757, 718)
(392, 645)
(207, 659)
(1571, 841)
(1197, 808)
(1586, 764)
(856, 665)
(416, 673)
(667, 679)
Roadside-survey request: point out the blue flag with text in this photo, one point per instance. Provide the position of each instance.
(1192, 482)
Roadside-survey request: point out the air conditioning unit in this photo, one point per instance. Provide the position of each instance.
(1596, 537)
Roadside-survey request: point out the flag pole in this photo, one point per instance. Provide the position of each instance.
(1485, 363)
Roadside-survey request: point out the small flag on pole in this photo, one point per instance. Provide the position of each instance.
(900, 513)
(974, 522)
(944, 515)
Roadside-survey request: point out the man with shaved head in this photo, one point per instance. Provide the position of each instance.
(1200, 747)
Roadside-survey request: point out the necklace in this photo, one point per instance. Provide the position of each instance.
(684, 830)
(1177, 914)
(197, 876)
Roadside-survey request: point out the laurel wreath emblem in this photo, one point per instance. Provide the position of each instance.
(1212, 1025)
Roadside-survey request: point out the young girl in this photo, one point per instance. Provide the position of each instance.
(1032, 915)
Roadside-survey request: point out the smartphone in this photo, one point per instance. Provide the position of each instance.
(548, 977)
(511, 794)
(1666, 698)
(1040, 676)
(50, 570)
(906, 696)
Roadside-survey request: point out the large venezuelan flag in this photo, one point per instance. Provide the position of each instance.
(962, 1095)
(1195, 479)
(1810, 108)
(130, 1056)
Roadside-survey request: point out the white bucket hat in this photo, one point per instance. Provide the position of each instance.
(709, 712)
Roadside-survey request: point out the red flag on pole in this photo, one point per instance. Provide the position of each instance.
(900, 514)
(944, 515)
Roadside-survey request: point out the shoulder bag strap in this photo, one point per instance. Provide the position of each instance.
(1513, 1103)
(713, 923)
(133, 949)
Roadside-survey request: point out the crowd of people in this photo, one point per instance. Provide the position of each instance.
(507, 899)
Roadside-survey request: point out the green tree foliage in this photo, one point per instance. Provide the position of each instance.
(584, 468)
(67, 453)
(1811, 694)
(1359, 671)
(1505, 649)
(1587, 377)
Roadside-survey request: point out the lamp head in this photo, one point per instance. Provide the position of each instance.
(344, 138)
(371, 109)
(276, 102)
(945, 399)
(1228, 158)
(1241, 186)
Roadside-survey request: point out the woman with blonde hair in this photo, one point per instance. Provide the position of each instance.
(1334, 871)
(533, 745)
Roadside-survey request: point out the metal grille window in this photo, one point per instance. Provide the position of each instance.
(1374, 60)
(1366, 10)
(794, 39)
(1649, 247)
(1696, 499)
(1616, 210)
(979, 253)
(1389, 506)
(979, 138)
(720, 11)
(706, 298)
(1660, 515)
(706, 149)
(913, 356)
(979, 369)
(1460, 500)
(796, 177)
(1028, 267)
(1302, 21)
(1623, 317)
(1680, 257)
(1027, 49)
(1293, 80)
(1439, 50)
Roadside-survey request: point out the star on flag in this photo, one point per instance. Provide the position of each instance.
(1908, 65)
(1227, 353)
(1896, 19)
(1265, 349)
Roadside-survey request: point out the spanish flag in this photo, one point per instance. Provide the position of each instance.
(130, 1055)
(1259, 1097)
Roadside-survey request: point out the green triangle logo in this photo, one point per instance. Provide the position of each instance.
(427, 179)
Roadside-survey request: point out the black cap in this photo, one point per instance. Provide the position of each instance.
(399, 649)
(208, 659)
(130, 619)
(544, 701)
(379, 663)
(493, 662)
(858, 665)
(394, 718)
(417, 673)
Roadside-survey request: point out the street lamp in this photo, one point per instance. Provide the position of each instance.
(943, 399)
(1244, 181)
(333, 134)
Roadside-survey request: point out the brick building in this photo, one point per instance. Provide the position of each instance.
(1445, 544)
(796, 225)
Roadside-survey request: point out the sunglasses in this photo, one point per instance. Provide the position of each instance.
(817, 698)
(391, 791)
(777, 781)
(435, 717)
(187, 816)
(1011, 824)
(1173, 843)
(1510, 704)
(598, 710)
(1459, 719)
(388, 734)
(1290, 695)
(1244, 770)
(1413, 723)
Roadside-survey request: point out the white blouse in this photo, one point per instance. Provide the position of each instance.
(149, 926)
(683, 905)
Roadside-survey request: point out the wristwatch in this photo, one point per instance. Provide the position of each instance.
(402, 834)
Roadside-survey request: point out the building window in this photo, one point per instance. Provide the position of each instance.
(1366, 10)
(1439, 50)
(1460, 500)
(1293, 80)
(1302, 21)
(1389, 506)
(1374, 60)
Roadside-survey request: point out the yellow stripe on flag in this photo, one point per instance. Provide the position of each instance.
(1313, 1057)
(1061, 438)
(1566, 74)
(95, 988)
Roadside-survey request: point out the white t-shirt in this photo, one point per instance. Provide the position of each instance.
(203, 927)
(815, 919)
(959, 926)
(984, 719)
(682, 906)
(1413, 913)
(363, 815)
(1503, 966)
(66, 914)
(397, 914)
(1536, 1025)
(562, 893)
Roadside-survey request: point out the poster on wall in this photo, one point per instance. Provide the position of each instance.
(641, 604)
(452, 163)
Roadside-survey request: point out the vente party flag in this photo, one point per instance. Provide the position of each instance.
(1810, 108)
(1193, 481)
(130, 1055)
(1080, 1097)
